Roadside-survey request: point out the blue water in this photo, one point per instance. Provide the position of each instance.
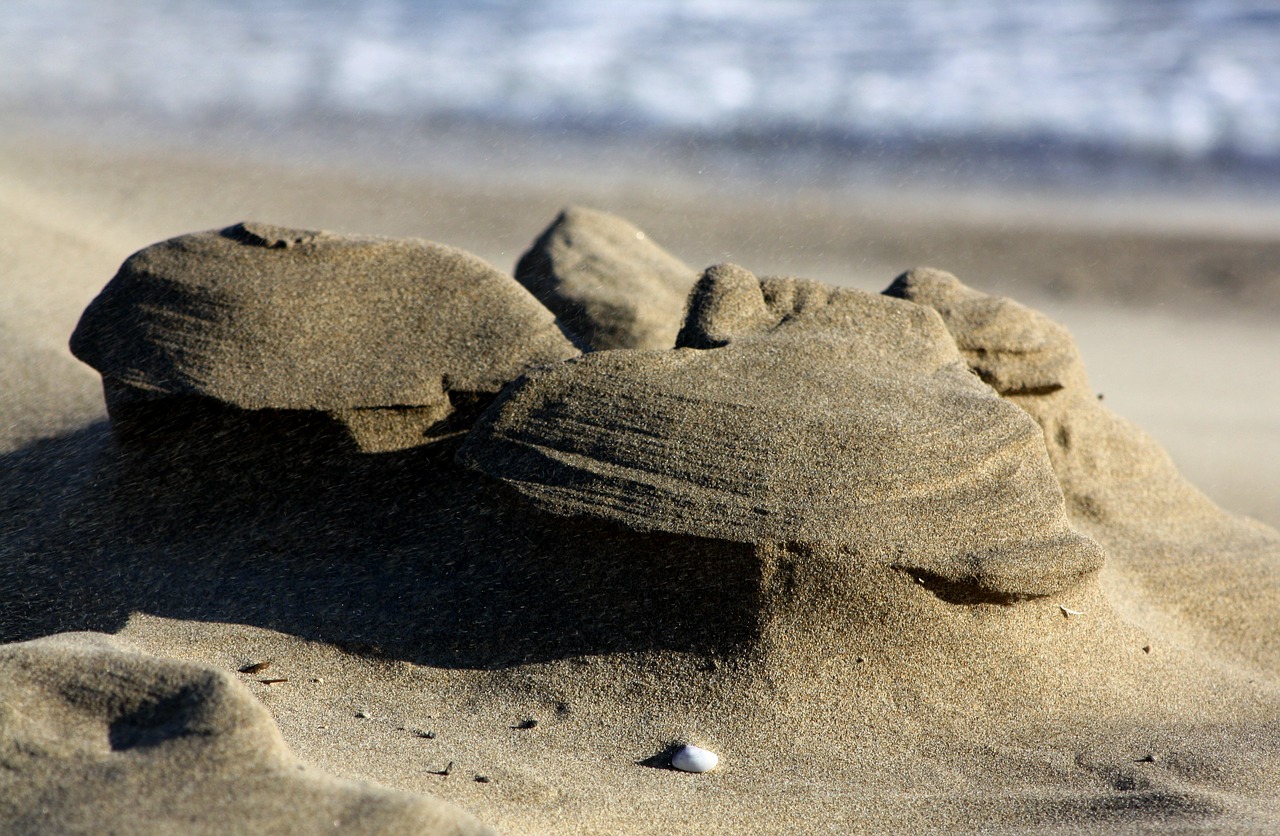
(1180, 82)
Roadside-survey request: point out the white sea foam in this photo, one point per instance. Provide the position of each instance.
(1190, 78)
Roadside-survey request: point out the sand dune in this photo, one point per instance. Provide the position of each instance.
(889, 556)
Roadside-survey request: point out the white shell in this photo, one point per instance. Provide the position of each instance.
(689, 758)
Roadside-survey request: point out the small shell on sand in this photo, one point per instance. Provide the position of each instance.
(690, 758)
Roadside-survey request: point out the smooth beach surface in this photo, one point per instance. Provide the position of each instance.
(1134, 698)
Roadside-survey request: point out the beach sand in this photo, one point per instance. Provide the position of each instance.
(439, 649)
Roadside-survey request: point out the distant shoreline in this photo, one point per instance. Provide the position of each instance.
(1068, 184)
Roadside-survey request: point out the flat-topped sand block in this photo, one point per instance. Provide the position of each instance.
(385, 338)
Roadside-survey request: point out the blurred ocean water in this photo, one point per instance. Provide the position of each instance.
(1188, 83)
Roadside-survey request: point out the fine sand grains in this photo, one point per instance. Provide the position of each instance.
(384, 338)
(1175, 558)
(885, 555)
(96, 737)
(607, 281)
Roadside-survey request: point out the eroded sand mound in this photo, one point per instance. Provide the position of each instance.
(796, 413)
(1174, 555)
(382, 337)
(98, 738)
(607, 281)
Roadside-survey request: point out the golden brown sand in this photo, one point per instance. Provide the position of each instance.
(433, 636)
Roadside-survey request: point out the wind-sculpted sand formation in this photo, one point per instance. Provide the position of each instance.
(381, 337)
(885, 561)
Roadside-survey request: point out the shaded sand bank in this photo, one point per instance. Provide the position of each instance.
(888, 555)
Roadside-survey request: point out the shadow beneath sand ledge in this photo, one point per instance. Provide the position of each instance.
(396, 554)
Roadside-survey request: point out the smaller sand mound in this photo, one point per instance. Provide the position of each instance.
(95, 738)
(798, 413)
(1013, 348)
(1174, 550)
(385, 337)
(607, 281)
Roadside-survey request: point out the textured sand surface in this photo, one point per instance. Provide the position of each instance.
(606, 280)
(388, 338)
(97, 738)
(533, 658)
(795, 413)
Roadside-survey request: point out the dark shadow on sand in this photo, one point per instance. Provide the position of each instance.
(399, 554)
